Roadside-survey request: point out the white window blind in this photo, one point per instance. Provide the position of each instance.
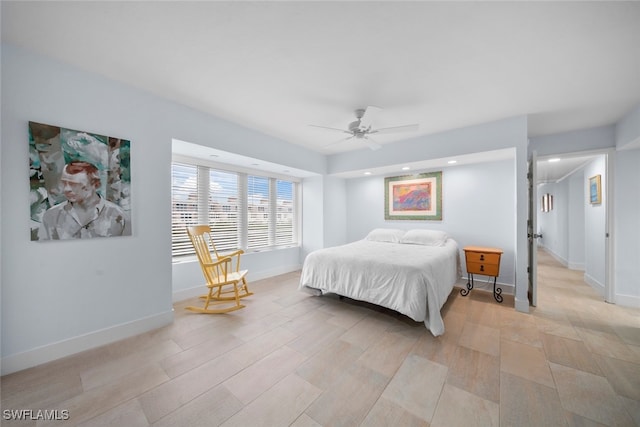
(285, 205)
(259, 212)
(184, 206)
(224, 210)
(249, 212)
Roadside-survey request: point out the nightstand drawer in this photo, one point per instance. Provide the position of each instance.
(485, 258)
(483, 268)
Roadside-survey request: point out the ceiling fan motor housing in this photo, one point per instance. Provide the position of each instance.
(357, 130)
(356, 127)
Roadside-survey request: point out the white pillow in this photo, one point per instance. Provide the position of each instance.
(390, 235)
(425, 237)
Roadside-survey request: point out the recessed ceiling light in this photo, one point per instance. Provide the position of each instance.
(406, 168)
(367, 173)
(555, 159)
(452, 162)
(213, 155)
(287, 171)
(255, 164)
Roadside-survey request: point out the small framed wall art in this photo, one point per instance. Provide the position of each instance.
(546, 204)
(595, 190)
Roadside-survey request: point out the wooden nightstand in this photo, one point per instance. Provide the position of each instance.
(484, 261)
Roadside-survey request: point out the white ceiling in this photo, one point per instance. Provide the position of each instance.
(279, 66)
(549, 171)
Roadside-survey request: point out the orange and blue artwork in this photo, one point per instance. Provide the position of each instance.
(417, 197)
(412, 197)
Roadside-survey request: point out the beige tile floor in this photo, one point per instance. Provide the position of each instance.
(292, 359)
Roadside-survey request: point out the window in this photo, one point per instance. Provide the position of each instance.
(184, 206)
(259, 209)
(223, 212)
(245, 211)
(284, 212)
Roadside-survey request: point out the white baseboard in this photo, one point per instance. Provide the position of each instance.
(628, 300)
(579, 266)
(265, 274)
(599, 287)
(557, 257)
(569, 264)
(522, 305)
(49, 352)
(507, 289)
(195, 291)
(484, 286)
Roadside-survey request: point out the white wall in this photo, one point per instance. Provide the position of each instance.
(576, 226)
(595, 228)
(627, 208)
(324, 220)
(627, 130)
(575, 141)
(501, 134)
(477, 209)
(1, 269)
(335, 211)
(58, 291)
(627, 227)
(563, 228)
(553, 224)
(63, 297)
(312, 220)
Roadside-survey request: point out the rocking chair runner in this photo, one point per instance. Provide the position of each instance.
(226, 284)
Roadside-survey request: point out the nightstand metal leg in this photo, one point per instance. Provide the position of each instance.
(497, 291)
(465, 292)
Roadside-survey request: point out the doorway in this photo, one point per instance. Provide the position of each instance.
(574, 227)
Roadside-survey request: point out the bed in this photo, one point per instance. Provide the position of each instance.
(411, 272)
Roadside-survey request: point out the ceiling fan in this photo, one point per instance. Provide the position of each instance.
(362, 128)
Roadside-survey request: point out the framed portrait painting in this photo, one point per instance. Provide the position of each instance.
(80, 184)
(595, 190)
(416, 197)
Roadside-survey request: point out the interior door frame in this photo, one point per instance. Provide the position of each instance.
(532, 230)
(609, 156)
(609, 285)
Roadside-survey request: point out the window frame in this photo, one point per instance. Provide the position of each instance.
(243, 209)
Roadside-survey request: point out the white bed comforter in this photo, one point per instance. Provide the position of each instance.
(414, 280)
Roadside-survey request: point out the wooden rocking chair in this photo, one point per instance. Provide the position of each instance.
(226, 284)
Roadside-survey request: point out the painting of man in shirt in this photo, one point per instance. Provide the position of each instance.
(84, 213)
(79, 184)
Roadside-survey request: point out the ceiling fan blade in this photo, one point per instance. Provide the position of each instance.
(405, 128)
(368, 117)
(371, 144)
(328, 128)
(339, 142)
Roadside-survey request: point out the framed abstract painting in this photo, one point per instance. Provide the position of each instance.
(416, 197)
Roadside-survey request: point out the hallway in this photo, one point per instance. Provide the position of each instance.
(593, 347)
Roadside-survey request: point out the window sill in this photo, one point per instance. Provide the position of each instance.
(183, 259)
